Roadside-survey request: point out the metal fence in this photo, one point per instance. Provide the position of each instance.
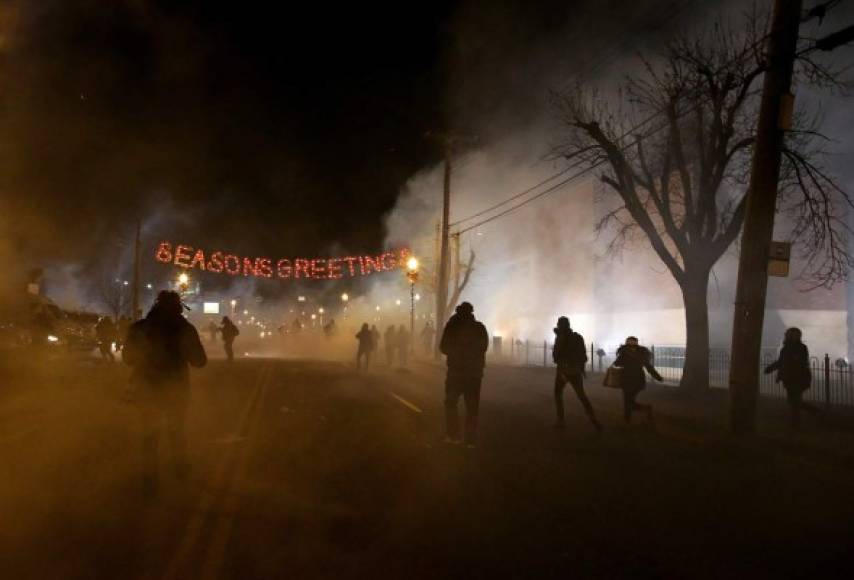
(832, 379)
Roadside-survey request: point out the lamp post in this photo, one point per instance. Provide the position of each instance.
(412, 276)
(344, 299)
(233, 306)
(321, 311)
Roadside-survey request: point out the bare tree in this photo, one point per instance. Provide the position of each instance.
(114, 294)
(675, 145)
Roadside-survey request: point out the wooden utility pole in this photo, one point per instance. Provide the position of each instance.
(442, 287)
(759, 218)
(134, 312)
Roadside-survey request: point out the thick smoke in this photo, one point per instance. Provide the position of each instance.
(544, 259)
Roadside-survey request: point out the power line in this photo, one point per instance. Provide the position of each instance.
(576, 175)
(551, 178)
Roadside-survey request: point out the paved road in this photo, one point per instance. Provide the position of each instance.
(305, 469)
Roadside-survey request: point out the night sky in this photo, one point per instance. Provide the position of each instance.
(267, 129)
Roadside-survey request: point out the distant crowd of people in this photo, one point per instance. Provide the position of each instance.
(396, 340)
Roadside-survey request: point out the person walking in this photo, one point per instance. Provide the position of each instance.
(122, 329)
(464, 342)
(390, 342)
(229, 332)
(160, 348)
(570, 355)
(427, 336)
(105, 331)
(634, 359)
(366, 346)
(793, 370)
(402, 344)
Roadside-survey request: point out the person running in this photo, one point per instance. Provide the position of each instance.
(105, 331)
(634, 359)
(229, 332)
(160, 348)
(390, 342)
(402, 344)
(793, 370)
(570, 356)
(366, 346)
(464, 342)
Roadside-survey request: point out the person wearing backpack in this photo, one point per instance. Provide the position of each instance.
(160, 349)
(793, 370)
(570, 356)
(229, 332)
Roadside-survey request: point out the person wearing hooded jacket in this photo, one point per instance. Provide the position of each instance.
(570, 356)
(464, 343)
(160, 348)
(793, 370)
(634, 359)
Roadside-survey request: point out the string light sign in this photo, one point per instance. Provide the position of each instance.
(188, 257)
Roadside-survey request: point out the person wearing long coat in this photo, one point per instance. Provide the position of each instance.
(793, 370)
(636, 361)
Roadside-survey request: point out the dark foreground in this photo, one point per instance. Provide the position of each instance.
(307, 470)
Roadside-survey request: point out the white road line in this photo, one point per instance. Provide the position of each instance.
(406, 403)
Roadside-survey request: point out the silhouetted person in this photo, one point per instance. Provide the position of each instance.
(634, 360)
(122, 329)
(376, 336)
(427, 336)
(159, 348)
(570, 355)
(296, 326)
(105, 331)
(330, 330)
(229, 332)
(464, 342)
(402, 344)
(390, 342)
(213, 329)
(793, 370)
(366, 346)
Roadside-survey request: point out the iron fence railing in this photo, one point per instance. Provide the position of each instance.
(832, 382)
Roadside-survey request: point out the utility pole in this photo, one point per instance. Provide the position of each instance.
(135, 290)
(457, 264)
(759, 218)
(442, 288)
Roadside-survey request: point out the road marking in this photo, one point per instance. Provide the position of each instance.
(194, 527)
(406, 403)
(215, 554)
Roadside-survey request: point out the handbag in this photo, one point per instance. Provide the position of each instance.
(613, 377)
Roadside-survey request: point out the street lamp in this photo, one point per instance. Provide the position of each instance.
(183, 282)
(320, 310)
(233, 305)
(412, 276)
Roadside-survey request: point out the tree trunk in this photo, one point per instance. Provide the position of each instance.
(695, 376)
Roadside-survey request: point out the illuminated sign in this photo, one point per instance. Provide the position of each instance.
(210, 307)
(217, 262)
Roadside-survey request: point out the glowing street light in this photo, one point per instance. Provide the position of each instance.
(345, 297)
(412, 276)
(183, 282)
(233, 305)
(300, 298)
